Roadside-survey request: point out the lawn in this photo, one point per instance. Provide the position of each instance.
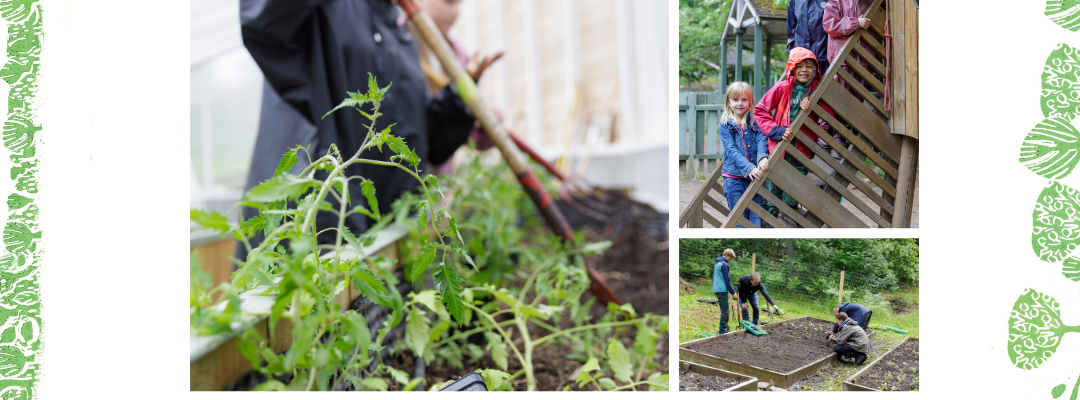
(697, 318)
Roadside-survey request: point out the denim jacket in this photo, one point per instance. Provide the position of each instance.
(736, 149)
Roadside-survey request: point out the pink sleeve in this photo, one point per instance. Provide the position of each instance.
(835, 23)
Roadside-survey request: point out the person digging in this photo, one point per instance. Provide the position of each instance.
(858, 312)
(850, 341)
(748, 284)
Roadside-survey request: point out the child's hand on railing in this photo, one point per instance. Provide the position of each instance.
(763, 164)
(864, 23)
(788, 134)
(805, 103)
(754, 174)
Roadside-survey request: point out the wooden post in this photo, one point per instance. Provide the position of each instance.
(723, 66)
(768, 66)
(758, 87)
(753, 263)
(738, 54)
(840, 299)
(905, 188)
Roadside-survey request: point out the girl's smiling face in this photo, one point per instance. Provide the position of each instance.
(740, 104)
(804, 72)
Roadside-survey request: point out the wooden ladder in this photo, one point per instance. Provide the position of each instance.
(864, 124)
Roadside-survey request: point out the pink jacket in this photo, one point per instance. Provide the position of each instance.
(841, 19)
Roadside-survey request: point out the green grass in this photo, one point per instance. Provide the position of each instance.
(696, 318)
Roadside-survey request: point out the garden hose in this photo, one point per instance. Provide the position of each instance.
(466, 89)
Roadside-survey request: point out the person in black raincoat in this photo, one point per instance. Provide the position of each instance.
(311, 52)
(805, 29)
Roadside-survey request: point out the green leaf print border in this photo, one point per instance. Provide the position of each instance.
(20, 260)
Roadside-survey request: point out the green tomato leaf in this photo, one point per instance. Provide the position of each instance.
(449, 284)
(372, 288)
(658, 382)
(426, 298)
(1061, 77)
(494, 378)
(351, 240)
(645, 341)
(1056, 222)
(593, 249)
(288, 160)
(399, 376)
(374, 384)
(1051, 149)
(584, 377)
(268, 386)
(607, 383)
(1063, 13)
(397, 145)
(367, 187)
(281, 187)
(423, 260)
(620, 360)
(497, 348)
(211, 220)
(354, 100)
(1035, 329)
(412, 384)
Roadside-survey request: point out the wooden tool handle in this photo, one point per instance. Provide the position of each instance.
(466, 89)
(840, 298)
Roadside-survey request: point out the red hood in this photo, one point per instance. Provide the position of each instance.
(796, 56)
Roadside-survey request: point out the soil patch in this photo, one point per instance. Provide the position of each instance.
(551, 367)
(693, 381)
(785, 349)
(636, 265)
(897, 371)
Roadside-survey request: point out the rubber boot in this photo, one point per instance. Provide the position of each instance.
(860, 358)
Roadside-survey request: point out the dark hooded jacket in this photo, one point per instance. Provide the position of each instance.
(311, 52)
(804, 27)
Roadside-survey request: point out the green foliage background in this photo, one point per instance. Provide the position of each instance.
(701, 24)
(809, 269)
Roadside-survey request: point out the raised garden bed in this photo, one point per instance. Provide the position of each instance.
(794, 349)
(896, 370)
(216, 364)
(697, 377)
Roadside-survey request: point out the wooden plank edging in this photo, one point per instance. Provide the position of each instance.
(849, 383)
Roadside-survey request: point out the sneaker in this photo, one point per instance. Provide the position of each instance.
(846, 360)
(821, 142)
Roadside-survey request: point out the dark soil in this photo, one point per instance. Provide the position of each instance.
(897, 371)
(636, 265)
(693, 381)
(551, 367)
(784, 349)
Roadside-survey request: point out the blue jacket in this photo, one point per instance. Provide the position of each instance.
(805, 27)
(738, 146)
(854, 311)
(721, 282)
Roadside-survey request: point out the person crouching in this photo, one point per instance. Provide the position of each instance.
(851, 340)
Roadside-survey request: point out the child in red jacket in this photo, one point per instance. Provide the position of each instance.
(780, 106)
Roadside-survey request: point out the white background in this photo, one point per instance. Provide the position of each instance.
(114, 183)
